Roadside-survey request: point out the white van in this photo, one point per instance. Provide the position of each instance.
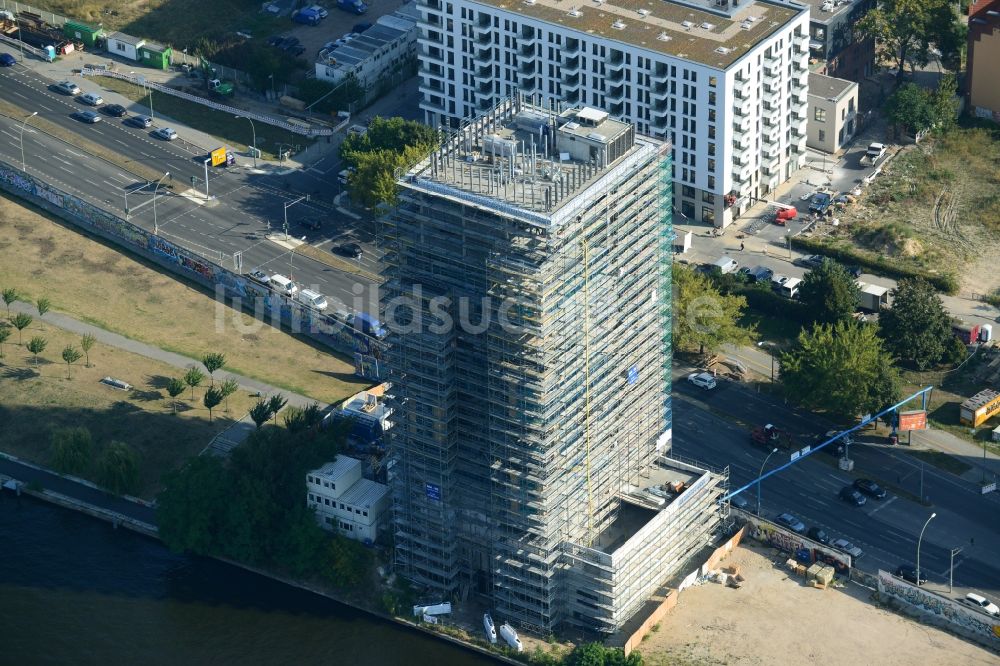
(313, 299)
(726, 265)
(284, 285)
(790, 288)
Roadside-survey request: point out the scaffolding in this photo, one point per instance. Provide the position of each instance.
(520, 426)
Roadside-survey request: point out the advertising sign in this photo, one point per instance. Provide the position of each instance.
(913, 420)
(218, 156)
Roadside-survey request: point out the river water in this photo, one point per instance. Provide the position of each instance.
(75, 591)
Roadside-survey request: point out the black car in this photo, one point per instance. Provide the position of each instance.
(852, 496)
(908, 572)
(87, 116)
(870, 488)
(352, 250)
(115, 110)
(297, 50)
(288, 43)
(275, 40)
(816, 534)
(811, 261)
(313, 223)
(855, 271)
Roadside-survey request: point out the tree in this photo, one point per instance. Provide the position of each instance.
(276, 403)
(294, 419)
(917, 328)
(119, 469)
(36, 346)
(260, 413)
(174, 388)
(71, 355)
(841, 368)
(905, 30)
(229, 387)
(830, 293)
(43, 305)
(212, 398)
(21, 321)
(596, 654)
(188, 511)
(705, 319)
(9, 296)
(4, 334)
(212, 362)
(193, 377)
(944, 101)
(910, 107)
(70, 450)
(388, 145)
(86, 342)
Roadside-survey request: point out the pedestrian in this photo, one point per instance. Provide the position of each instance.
(741, 246)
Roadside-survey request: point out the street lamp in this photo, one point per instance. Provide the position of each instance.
(252, 129)
(769, 346)
(918, 545)
(271, 76)
(156, 226)
(288, 205)
(760, 474)
(23, 123)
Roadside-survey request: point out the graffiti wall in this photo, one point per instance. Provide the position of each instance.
(940, 610)
(805, 550)
(244, 294)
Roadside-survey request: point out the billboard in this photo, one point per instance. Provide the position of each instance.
(218, 156)
(913, 420)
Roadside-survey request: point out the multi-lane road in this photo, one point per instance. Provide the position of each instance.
(244, 205)
(713, 426)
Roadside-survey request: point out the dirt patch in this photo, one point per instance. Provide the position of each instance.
(774, 618)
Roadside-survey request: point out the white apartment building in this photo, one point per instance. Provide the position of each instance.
(725, 82)
(346, 502)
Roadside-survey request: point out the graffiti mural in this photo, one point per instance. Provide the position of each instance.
(163, 248)
(17, 180)
(53, 197)
(199, 266)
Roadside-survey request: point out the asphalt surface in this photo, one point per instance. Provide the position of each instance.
(714, 427)
(245, 205)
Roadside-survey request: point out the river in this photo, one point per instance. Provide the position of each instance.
(73, 590)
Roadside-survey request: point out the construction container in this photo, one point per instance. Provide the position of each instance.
(82, 32)
(979, 408)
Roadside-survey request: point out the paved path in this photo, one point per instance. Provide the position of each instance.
(183, 362)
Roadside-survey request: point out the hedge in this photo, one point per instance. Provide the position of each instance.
(945, 282)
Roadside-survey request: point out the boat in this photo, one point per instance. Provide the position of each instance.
(491, 632)
(508, 634)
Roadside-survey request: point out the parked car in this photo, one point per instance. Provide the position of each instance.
(846, 546)
(313, 223)
(165, 133)
(759, 274)
(297, 50)
(852, 496)
(87, 117)
(981, 602)
(288, 43)
(726, 265)
(702, 379)
(141, 121)
(68, 88)
(820, 203)
(7, 60)
(115, 110)
(908, 572)
(854, 271)
(816, 534)
(791, 522)
(352, 250)
(810, 261)
(320, 10)
(875, 152)
(92, 99)
(275, 40)
(259, 276)
(870, 488)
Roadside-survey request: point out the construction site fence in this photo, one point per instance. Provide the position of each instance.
(366, 352)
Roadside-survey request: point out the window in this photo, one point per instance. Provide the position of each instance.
(708, 197)
(364, 513)
(687, 191)
(707, 214)
(822, 136)
(341, 505)
(712, 81)
(327, 501)
(820, 115)
(711, 165)
(711, 182)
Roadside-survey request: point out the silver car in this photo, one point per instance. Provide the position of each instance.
(791, 522)
(68, 88)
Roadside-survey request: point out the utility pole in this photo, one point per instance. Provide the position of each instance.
(25, 169)
(254, 130)
(156, 226)
(773, 451)
(287, 206)
(206, 177)
(951, 570)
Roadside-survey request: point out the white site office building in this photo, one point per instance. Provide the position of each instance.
(346, 502)
(725, 82)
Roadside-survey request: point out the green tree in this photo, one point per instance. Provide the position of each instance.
(43, 305)
(71, 355)
(841, 368)
(917, 328)
(260, 413)
(36, 346)
(86, 343)
(944, 101)
(325, 97)
(905, 30)
(212, 398)
(189, 510)
(212, 362)
(829, 293)
(276, 403)
(294, 419)
(21, 321)
(705, 319)
(596, 654)
(345, 562)
(390, 144)
(118, 469)
(910, 107)
(9, 296)
(193, 377)
(70, 450)
(174, 388)
(4, 334)
(229, 387)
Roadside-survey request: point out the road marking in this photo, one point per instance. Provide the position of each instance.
(121, 142)
(91, 182)
(123, 177)
(71, 152)
(66, 170)
(883, 505)
(944, 574)
(47, 108)
(19, 94)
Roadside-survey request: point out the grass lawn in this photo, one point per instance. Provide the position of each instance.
(234, 131)
(35, 400)
(779, 330)
(942, 461)
(98, 283)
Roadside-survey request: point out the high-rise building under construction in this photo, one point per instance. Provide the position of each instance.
(528, 297)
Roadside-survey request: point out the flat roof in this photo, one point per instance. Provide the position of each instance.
(828, 87)
(126, 39)
(697, 31)
(332, 471)
(363, 46)
(983, 397)
(821, 11)
(364, 493)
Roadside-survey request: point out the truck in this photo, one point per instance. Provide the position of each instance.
(820, 203)
(875, 152)
(354, 6)
(307, 16)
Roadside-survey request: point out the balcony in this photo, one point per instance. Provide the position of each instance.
(770, 162)
(528, 84)
(661, 91)
(741, 129)
(771, 135)
(527, 68)
(432, 55)
(742, 87)
(741, 107)
(741, 173)
(485, 87)
(571, 82)
(774, 56)
(484, 72)
(483, 57)
(799, 83)
(616, 94)
(570, 63)
(571, 48)
(771, 96)
(616, 64)
(661, 74)
(772, 70)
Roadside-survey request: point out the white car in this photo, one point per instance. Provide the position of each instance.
(165, 133)
(68, 88)
(702, 379)
(847, 547)
(982, 603)
(92, 99)
(791, 522)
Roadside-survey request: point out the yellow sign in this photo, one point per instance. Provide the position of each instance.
(218, 156)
